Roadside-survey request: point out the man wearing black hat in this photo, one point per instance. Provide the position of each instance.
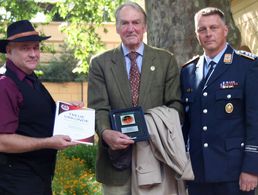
(27, 147)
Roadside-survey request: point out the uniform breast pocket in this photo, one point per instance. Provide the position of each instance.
(229, 103)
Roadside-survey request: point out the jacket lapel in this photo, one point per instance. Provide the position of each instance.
(120, 76)
(198, 73)
(148, 64)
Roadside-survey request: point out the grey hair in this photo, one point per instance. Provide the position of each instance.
(208, 11)
(134, 5)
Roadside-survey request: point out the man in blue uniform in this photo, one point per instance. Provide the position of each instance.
(220, 91)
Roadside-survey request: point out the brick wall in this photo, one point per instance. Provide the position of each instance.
(68, 91)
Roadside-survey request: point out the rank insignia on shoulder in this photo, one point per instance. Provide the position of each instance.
(228, 58)
(246, 54)
(191, 60)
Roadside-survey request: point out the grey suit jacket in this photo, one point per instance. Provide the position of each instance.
(108, 88)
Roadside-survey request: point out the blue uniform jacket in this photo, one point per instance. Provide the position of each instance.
(221, 122)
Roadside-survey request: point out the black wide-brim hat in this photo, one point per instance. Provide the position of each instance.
(20, 31)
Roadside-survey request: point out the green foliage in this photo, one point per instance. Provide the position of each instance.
(82, 18)
(61, 69)
(74, 173)
(86, 153)
(14, 10)
(71, 177)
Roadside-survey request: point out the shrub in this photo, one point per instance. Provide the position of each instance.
(84, 152)
(71, 177)
(61, 69)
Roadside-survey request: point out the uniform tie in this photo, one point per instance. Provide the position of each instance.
(211, 67)
(134, 78)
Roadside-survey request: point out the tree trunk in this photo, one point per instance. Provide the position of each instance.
(171, 25)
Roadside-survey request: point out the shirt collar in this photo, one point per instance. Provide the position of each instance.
(216, 59)
(139, 50)
(19, 73)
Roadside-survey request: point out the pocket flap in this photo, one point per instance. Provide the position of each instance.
(234, 143)
(229, 94)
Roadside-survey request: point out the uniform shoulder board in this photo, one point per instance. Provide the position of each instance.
(195, 58)
(246, 54)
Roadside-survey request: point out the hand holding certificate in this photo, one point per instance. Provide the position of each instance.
(78, 123)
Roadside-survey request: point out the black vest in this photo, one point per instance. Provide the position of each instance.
(36, 119)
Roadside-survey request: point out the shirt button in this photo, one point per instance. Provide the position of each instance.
(242, 144)
(229, 96)
(205, 94)
(204, 128)
(205, 145)
(186, 100)
(205, 111)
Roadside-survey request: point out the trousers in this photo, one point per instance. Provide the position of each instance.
(20, 179)
(222, 188)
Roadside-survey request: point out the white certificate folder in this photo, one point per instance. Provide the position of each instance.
(76, 122)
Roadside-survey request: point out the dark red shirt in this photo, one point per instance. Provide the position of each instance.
(10, 100)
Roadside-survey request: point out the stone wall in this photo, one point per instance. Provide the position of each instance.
(245, 14)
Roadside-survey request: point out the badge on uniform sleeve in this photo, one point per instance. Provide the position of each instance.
(229, 108)
(228, 58)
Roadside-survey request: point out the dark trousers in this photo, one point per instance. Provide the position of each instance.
(18, 179)
(223, 188)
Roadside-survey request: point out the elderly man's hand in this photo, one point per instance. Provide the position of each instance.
(116, 140)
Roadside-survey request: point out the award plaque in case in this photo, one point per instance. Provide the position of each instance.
(131, 122)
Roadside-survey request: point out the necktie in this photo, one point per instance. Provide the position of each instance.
(134, 78)
(211, 67)
(34, 80)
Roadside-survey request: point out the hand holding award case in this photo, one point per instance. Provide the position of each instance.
(131, 122)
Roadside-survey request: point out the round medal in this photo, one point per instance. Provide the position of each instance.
(229, 108)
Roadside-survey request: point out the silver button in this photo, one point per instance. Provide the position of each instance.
(205, 94)
(229, 96)
(205, 111)
(186, 99)
(242, 144)
(205, 145)
(204, 128)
